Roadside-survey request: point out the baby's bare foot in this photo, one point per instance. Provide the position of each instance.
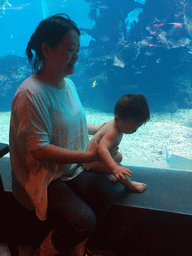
(137, 186)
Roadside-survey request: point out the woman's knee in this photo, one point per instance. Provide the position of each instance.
(104, 188)
(72, 219)
(94, 187)
(99, 195)
(86, 221)
(66, 236)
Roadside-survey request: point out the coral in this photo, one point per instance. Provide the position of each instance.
(147, 58)
(13, 70)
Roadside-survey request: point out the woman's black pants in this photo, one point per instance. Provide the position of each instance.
(75, 208)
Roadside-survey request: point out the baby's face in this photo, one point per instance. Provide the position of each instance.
(127, 126)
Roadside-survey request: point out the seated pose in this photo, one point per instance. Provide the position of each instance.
(48, 137)
(131, 111)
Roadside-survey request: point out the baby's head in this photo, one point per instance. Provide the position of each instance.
(131, 111)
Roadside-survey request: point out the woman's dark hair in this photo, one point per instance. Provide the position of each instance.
(50, 31)
(134, 107)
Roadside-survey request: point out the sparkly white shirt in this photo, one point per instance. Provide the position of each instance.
(41, 115)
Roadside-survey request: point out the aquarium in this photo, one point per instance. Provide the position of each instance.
(127, 46)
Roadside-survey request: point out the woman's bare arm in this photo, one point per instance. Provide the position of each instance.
(92, 128)
(60, 155)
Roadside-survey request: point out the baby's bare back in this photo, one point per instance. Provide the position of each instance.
(109, 127)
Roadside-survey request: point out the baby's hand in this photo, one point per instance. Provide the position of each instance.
(120, 172)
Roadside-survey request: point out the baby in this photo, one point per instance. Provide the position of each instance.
(131, 112)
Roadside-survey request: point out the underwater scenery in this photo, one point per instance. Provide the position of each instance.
(127, 46)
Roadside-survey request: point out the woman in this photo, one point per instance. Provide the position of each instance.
(48, 136)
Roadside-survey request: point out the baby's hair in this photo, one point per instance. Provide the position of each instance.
(50, 31)
(133, 107)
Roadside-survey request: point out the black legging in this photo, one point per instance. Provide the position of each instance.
(75, 208)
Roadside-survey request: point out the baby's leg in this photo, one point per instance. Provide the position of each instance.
(112, 178)
(117, 157)
(132, 185)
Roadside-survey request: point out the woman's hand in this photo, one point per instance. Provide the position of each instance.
(120, 172)
(93, 129)
(102, 126)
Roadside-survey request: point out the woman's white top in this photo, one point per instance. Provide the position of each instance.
(41, 115)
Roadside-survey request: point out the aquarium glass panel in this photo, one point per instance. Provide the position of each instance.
(127, 47)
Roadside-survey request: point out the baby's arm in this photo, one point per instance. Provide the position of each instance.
(110, 138)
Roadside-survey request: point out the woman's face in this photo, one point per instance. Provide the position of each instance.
(64, 56)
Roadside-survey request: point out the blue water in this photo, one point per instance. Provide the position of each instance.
(21, 18)
(127, 47)
(17, 25)
(19, 21)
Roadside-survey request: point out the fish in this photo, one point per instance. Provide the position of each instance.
(117, 62)
(104, 38)
(158, 60)
(177, 24)
(103, 7)
(94, 84)
(178, 162)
